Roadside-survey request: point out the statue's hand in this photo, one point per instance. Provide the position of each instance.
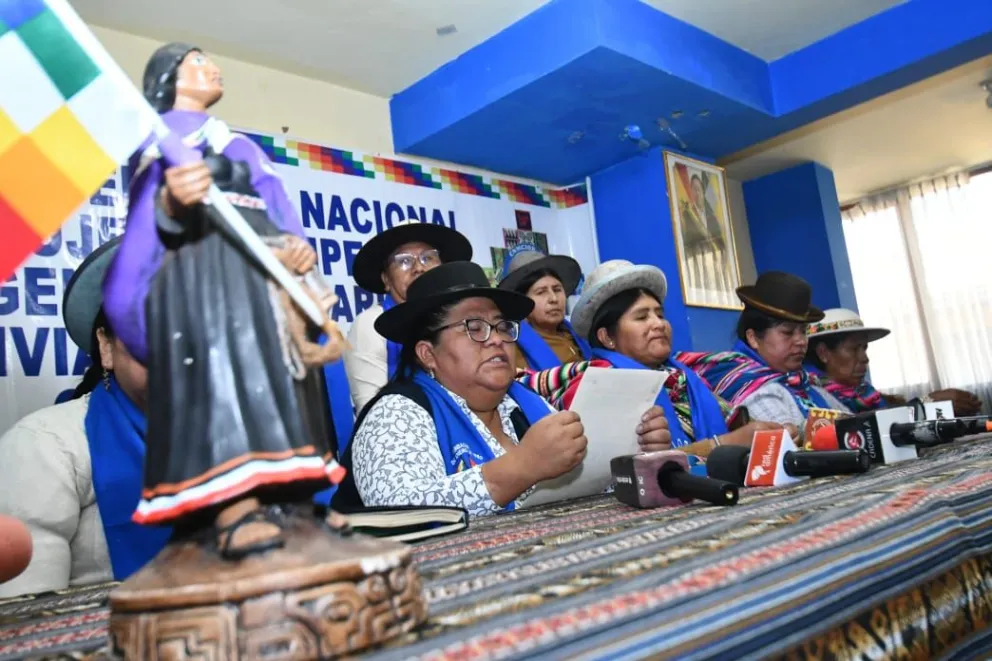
(185, 186)
(296, 254)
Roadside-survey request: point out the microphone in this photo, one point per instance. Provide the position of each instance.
(826, 463)
(893, 435)
(816, 420)
(16, 547)
(825, 439)
(928, 433)
(654, 479)
(732, 463)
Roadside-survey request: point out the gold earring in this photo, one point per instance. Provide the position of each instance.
(106, 380)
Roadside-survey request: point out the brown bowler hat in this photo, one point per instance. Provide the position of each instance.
(783, 296)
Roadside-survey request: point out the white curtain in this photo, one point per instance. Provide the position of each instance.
(920, 262)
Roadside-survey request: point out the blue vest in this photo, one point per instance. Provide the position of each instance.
(462, 446)
(115, 430)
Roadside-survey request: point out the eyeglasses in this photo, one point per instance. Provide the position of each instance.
(405, 261)
(480, 330)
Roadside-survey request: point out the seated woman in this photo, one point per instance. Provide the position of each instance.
(386, 265)
(72, 472)
(621, 313)
(546, 338)
(764, 369)
(453, 428)
(838, 357)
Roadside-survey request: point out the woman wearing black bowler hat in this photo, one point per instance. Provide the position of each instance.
(452, 427)
(764, 369)
(72, 472)
(388, 264)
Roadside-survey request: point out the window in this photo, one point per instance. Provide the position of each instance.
(920, 264)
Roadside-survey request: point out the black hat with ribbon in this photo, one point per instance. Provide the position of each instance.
(370, 262)
(83, 295)
(782, 296)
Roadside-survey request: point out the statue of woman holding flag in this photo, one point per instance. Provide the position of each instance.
(238, 415)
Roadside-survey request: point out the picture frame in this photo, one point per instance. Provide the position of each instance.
(709, 266)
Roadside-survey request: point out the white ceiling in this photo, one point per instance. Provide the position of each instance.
(383, 46)
(937, 125)
(772, 28)
(375, 46)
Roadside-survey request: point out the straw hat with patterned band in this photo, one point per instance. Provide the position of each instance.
(443, 285)
(526, 262)
(83, 296)
(609, 279)
(370, 262)
(837, 321)
(782, 296)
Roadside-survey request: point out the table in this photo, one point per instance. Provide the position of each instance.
(896, 563)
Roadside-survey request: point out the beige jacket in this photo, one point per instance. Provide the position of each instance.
(46, 481)
(367, 363)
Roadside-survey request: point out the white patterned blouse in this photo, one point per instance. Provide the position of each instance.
(396, 459)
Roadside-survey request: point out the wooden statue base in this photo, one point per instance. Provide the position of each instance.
(320, 596)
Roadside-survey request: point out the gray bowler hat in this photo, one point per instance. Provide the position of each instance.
(530, 261)
(609, 279)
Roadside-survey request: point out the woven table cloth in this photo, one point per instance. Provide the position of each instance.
(896, 563)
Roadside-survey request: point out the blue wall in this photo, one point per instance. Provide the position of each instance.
(634, 222)
(547, 97)
(795, 225)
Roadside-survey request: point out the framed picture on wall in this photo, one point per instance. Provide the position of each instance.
(704, 236)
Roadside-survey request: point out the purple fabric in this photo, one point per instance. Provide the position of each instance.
(141, 252)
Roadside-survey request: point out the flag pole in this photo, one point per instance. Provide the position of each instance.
(177, 153)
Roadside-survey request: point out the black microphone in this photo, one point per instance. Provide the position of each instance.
(825, 463)
(655, 479)
(927, 433)
(729, 462)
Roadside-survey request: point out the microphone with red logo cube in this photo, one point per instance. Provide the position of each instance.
(893, 435)
(870, 432)
(774, 460)
(766, 466)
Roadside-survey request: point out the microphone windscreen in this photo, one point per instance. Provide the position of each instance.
(15, 547)
(728, 463)
(825, 438)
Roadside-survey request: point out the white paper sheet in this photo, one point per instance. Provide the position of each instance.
(610, 403)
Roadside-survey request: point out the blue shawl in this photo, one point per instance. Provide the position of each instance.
(339, 396)
(707, 416)
(461, 444)
(737, 374)
(115, 430)
(342, 414)
(537, 352)
(392, 348)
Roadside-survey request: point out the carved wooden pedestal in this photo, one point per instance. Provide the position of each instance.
(319, 597)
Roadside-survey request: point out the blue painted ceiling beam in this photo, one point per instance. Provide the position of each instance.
(548, 97)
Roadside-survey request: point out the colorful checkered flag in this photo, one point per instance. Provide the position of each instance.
(68, 117)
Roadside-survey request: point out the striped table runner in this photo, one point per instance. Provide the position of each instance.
(896, 563)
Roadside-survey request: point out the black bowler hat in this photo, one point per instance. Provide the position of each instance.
(783, 296)
(83, 296)
(370, 262)
(443, 285)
